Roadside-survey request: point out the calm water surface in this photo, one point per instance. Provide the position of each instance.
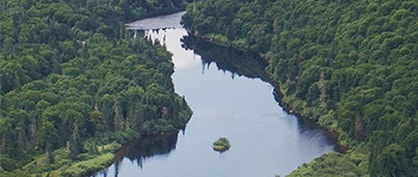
(265, 140)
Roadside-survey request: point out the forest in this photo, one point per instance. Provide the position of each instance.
(75, 86)
(350, 66)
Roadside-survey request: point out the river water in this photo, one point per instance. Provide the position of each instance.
(230, 96)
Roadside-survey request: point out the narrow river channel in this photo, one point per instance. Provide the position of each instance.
(230, 97)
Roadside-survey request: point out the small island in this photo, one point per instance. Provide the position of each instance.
(221, 145)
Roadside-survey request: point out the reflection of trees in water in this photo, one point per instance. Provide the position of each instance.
(142, 148)
(251, 65)
(150, 146)
(241, 63)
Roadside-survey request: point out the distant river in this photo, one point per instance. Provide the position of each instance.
(230, 96)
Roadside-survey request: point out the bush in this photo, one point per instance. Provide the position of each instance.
(222, 144)
(84, 167)
(8, 164)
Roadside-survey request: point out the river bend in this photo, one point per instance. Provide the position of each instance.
(229, 98)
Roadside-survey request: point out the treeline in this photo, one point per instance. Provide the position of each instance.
(348, 65)
(133, 9)
(72, 78)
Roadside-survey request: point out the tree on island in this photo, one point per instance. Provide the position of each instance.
(221, 145)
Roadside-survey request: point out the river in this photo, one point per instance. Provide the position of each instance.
(230, 96)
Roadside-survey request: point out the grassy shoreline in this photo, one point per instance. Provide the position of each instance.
(60, 164)
(85, 164)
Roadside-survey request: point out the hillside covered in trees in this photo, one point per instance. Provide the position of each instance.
(75, 85)
(351, 66)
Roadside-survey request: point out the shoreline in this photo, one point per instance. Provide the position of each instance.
(279, 95)
(120, 154)
(332, 134)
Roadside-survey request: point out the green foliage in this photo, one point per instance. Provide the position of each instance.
(97, 163)
(158, 126)
(334, 164)
(349, 65)
(72, 79)
(7, 163)
(113, 147)
(222, 144)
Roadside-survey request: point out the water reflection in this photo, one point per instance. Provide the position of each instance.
(140, 149)
(160, 22)
(150, 146)
(265, 140)
(241, 63)
(251, 65)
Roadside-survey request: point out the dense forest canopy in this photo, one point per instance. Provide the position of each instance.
(73, 79)
(351, 66)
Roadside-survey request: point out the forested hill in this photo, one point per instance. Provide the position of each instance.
(351, 66)
(75, 86)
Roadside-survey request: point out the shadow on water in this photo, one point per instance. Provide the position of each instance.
(136, 157)
(251, 65)
(151, 146)
(142, 148)
(241, 63)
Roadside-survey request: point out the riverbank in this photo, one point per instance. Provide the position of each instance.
(85, 163)
(219, 40)
(89, 163)
(279, 94)
(291, 108)
(83, 87)
(225, 103)
(349, 158)
(331, 72)
(144, 146)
